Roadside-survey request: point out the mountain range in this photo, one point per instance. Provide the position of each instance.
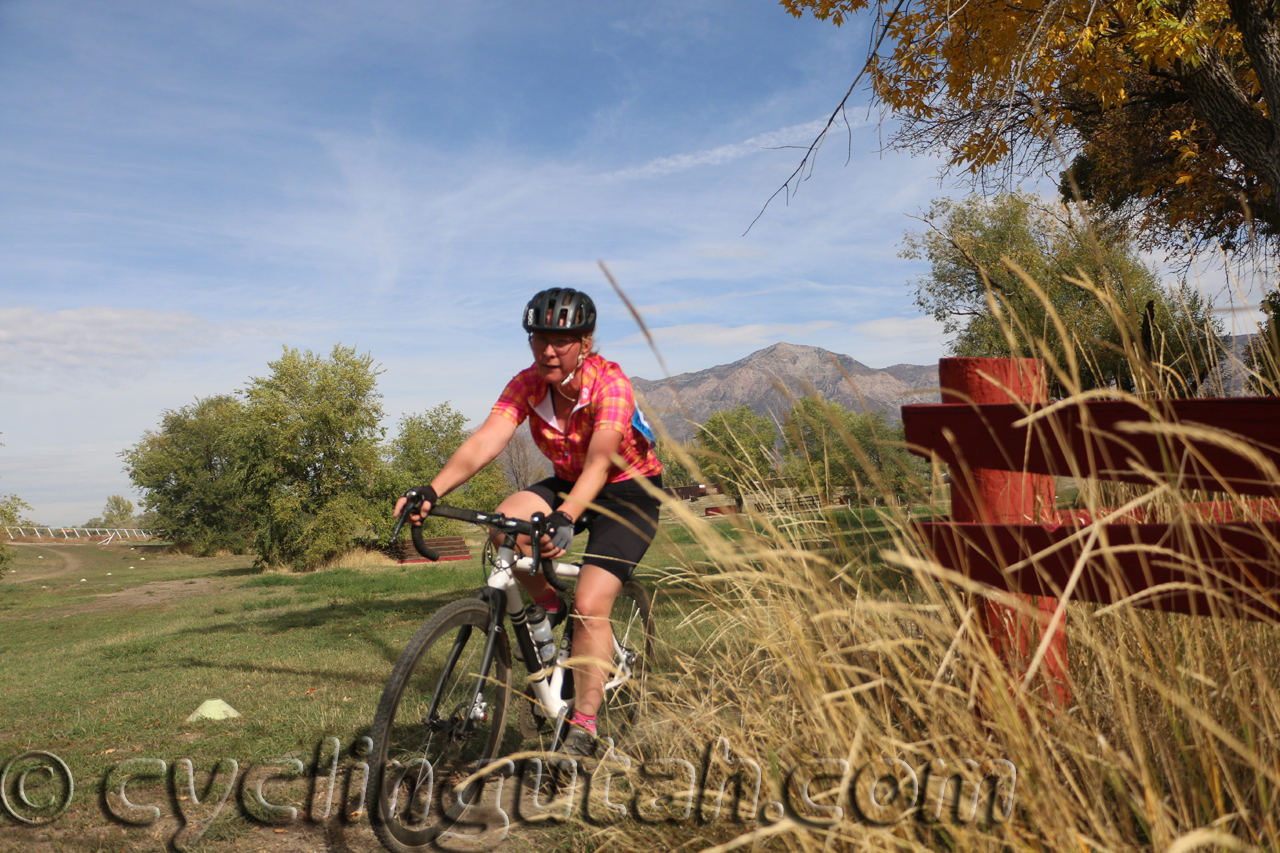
(801, 370)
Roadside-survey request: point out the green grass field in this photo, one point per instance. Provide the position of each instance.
(108, 649)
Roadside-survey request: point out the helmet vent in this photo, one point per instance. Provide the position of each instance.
(560, 309)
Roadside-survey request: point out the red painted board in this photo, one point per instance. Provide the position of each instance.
(1089, 440)
(1240, 563)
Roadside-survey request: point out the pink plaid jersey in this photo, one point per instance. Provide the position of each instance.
(606, 401)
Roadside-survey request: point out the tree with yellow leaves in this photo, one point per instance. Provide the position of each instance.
(1168, 111)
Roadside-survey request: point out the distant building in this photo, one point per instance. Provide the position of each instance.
(692, 493)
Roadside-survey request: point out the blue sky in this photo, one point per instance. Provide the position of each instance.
(185, 187)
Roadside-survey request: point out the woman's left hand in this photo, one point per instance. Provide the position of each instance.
(559, 536)
(549, 549)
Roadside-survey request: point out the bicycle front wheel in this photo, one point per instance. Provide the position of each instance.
(440, 720)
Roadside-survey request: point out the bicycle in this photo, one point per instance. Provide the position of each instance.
(442, 718)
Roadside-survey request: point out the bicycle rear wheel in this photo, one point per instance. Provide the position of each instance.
(440, 720)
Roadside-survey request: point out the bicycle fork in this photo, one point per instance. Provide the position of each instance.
(503, 600)
(477, 710)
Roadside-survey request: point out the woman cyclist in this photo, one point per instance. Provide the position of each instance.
(582, 414)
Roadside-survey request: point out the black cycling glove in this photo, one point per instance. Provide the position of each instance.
(560, 529)
(422, 494)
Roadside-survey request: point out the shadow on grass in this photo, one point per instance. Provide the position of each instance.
(257, 666)
(235, 573)
(351, 615)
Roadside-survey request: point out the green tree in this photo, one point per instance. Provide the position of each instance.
(674, 472)
(186, 472)
(839, 453)
(1263, 356)
(11, 509)
(737, 449)
(423, 444)
(308, 456)
(972, 247)
(118, 512)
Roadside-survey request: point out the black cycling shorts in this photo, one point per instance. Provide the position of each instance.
(615, 546)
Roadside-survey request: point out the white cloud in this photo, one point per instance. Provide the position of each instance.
(578, 273)
(890, 328)
(787, 137)
(730, 251)
(715, 335)
(95, 340)
(657, 309)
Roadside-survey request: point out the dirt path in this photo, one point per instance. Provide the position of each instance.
(487, 829)
(64, 561)
(154, 594)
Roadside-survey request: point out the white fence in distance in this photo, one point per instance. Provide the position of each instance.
(77, 532)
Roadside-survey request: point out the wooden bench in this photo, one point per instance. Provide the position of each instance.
(803, 503)
(450, 548)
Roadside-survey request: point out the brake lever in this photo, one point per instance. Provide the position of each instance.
(535, 543)
(546, 565)
(409, 507)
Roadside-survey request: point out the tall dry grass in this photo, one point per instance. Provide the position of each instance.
(813, 646)
(359, 558)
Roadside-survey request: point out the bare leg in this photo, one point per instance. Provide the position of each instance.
(592, 636)
(523, 505)
(592, 604)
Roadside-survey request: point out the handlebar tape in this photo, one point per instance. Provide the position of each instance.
(420, 544)
(513, 525)
(457, 512)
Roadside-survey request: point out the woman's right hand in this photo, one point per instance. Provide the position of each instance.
(428, 499)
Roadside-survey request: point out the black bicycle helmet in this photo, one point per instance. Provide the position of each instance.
(560, 309)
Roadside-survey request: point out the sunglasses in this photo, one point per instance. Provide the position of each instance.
(540, 342)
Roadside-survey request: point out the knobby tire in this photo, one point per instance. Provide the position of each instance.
(416, 762)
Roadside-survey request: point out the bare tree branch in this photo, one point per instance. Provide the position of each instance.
(812, 151)
(522, 463)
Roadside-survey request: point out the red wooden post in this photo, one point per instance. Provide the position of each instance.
(991, 497)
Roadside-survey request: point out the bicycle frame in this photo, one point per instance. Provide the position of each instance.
(547, 683)
(622, 658)
(502, 592)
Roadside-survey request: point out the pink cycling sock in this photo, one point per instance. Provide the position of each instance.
(551, 603)
(584, 721)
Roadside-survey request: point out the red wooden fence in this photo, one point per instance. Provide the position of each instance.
(1223, 444)
(1002, 442)
(1000, 495)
